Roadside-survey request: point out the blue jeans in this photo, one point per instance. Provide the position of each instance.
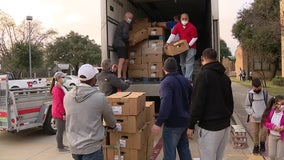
(98, 155)
(176, 138)
(187, 62)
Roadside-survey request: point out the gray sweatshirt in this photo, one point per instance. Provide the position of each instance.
(257, 107)
(85, 107)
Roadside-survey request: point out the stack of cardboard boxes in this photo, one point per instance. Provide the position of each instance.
(146, 56)
(238, 137)
(134, 135)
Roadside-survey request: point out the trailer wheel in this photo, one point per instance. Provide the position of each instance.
(49, 125)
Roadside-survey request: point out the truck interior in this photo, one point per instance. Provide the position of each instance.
(199, 14)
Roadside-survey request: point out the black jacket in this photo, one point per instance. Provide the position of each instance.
(121, 36)
(212, 99)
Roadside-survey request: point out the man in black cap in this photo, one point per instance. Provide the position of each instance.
(175, 93)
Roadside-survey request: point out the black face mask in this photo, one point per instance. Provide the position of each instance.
(257, 91)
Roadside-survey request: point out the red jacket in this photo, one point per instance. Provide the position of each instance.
(57, 102)
(270, 125)
(186, 33)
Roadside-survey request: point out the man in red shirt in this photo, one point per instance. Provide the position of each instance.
(188, 32)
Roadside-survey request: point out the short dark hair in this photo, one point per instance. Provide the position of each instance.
(209, 53)
(256, 82)
(170, 64)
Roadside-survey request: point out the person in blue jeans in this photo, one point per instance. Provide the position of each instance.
(175, 92)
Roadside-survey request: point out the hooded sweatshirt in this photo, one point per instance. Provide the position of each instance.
(212, 99)
(84, 128)
(257, 106)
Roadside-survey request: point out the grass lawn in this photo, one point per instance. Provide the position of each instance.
(272, 89)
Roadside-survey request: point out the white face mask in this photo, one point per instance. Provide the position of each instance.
(183, 22)
(129, 20)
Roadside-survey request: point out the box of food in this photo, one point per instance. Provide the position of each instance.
(126, 154)
(152, 58)
(130, 140)
(137, 66)
(127, 103)
(138, 73)
(137, 36)
(135, 60)
(155, 31)
(131, 124)
(153, 47)
(150, 110)
(176, 48)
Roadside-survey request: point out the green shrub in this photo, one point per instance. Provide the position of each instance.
(278, 81)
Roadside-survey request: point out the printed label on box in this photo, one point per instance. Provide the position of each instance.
(132, 54)
(153, 44)
(117, 110)
(116, 157)
(153, 67)
(153, 32)
(122, 143)
(118, 126)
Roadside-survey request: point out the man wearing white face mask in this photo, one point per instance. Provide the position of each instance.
(120, 44)
(188, 32)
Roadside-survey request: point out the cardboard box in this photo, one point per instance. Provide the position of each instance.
(130, 140)
(135, 51)
(131, 124)
(126, 154)
(137, 36)
(141, 23)
(153, 47)
(150, 111)
(153, 66)
(127, 103)
(155, 74)
(155, 31)
(138, 73)
(150, 140)
(141, 20)
(135, 60)
(152, 58)
(177, 48)
(106, 140)
(105, 153)
(137, 66)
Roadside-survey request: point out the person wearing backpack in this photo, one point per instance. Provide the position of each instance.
(255, 104)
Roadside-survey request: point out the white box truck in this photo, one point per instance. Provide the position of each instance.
(202, 13)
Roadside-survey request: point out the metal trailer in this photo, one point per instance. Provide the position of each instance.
(25, 108)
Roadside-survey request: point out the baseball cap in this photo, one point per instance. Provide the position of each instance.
(59, 74)
(87, 72)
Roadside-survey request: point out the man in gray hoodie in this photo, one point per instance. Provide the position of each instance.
(85, 108)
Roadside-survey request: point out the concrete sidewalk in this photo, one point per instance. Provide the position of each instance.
(239, 118)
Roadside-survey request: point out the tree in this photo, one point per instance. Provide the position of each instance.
(258, 31)
(20, 58)
(15, 37)
(225, 52)
(74, 49)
